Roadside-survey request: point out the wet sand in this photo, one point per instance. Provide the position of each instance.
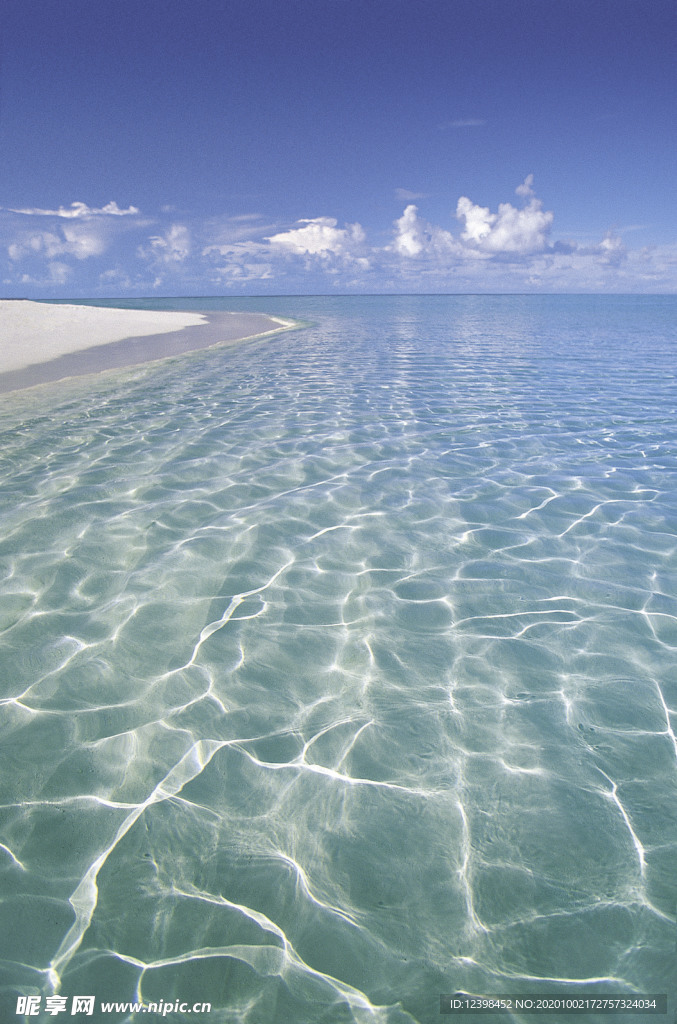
(42, 342)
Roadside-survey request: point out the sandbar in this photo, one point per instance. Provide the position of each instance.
(42, 342)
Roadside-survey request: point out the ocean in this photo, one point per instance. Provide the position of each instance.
(338, 669)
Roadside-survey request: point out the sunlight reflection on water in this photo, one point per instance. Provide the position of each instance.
(337, 668)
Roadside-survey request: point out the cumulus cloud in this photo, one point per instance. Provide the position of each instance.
(478, 220)
(414, 236)
(319, 237)
(504, 249)
(511, 230)
(409, 238)
(76, 210)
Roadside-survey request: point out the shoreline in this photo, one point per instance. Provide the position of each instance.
(74, 341)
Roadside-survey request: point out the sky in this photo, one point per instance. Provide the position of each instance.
(252, 147)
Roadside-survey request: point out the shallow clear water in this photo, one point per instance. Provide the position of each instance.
(338, 669)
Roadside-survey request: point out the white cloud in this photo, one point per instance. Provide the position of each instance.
(409, 240)
(414, 236)
(245, 218)
(406, 196)
(57, 273)
(239, 263)
(525, 190)
(319, 237)
(505, 248)
(478, 220)
(171, 248)
(42, 241)
(511, 230)
(116, 278)
(612, 249)
(508, 249)
(80, 210)
(222, 234)
(78, 242)
(235, 273)
(82, 244)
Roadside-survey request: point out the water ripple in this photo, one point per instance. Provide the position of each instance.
(338, 670)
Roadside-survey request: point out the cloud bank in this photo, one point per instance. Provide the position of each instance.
(92, 250)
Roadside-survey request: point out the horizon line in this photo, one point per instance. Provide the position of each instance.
(333, 295)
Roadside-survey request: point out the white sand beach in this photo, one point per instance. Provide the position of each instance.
(42, 342)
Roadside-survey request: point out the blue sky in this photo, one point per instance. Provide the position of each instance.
(188, 147)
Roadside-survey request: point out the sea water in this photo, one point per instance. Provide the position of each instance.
(339, 669)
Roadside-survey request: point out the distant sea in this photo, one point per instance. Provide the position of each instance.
(339, 669)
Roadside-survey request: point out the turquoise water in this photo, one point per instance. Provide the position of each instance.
(338, 669)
